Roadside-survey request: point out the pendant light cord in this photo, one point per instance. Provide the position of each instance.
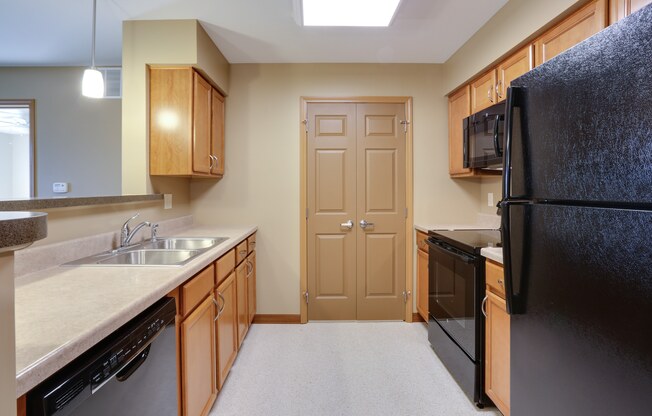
(93, 42)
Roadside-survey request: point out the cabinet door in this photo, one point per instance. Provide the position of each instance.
(512, 68)
(227, 332)
(622, 8)
(198, 360)
(422, 284)
(243, 315)
(217, 133)
(483, 92)
(201, 125)
(459, 108)
(497, 381)
(582, 24)
(170, 115)
(251, 286)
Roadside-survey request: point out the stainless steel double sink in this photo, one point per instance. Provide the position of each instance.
(166, 251)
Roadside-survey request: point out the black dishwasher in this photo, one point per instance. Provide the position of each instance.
(132, 372)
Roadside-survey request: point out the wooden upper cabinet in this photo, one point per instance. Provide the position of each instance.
(201, 125)
(217, 133)
(512, 68)
(459, 108)
(623, 8)
(580, 25)
(483, 92)
(186, 127)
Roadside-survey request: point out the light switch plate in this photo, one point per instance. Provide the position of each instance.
(167, 201)
(490, 199)
(60, 187)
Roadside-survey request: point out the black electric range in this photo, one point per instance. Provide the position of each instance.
(456, 279)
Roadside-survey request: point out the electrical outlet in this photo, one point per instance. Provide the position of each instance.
(60, 187)
(490, 199)
(167, 201)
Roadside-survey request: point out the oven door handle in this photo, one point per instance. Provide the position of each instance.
(443, 248)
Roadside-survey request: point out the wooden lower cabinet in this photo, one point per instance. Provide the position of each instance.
(241, 290)
(497, 347)
(226, 328)
(199, 389)
(422, 278)
(619, 9)
(251, 286)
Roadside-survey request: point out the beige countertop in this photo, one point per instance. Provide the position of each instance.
(63, 311)
(493, 253)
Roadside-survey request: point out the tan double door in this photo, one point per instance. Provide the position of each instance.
(356, 211)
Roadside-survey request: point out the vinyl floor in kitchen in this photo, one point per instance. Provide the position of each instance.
(347, 368)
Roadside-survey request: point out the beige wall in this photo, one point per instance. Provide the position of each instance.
(77, 138)
(261, 183)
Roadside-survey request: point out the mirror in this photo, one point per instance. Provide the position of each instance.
(77, 140)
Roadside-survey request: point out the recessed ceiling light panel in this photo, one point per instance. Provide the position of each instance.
(349, 12)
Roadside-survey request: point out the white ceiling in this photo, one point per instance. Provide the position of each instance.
(48, 32)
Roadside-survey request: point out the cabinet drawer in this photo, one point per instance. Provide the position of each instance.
(251, 243)
(421, 241)
(240, 252)
(196, 289)
(495, 277)
(225, 266)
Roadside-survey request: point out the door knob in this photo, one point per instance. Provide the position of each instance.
(364, 224)
(348, 224)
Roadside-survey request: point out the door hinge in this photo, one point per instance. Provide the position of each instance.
(306, 213)
(305, 295)
(305, 123)
(406, 295)
(405, 125)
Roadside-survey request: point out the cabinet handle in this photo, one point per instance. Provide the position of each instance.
(251, 271)
(217, 161)
(217, 305)
(489, 95)
(482, 307)
(500, 282)
(253, 245)
(498, 88)
(242, 252)
(210, 168)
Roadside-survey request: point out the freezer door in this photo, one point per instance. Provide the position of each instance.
(582, 343)
(585, 117)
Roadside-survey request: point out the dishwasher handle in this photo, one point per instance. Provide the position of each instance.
(133, 365)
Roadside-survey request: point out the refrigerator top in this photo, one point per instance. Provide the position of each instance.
(582, 129)
(470, 241)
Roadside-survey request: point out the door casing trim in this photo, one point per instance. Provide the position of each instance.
(303, 195)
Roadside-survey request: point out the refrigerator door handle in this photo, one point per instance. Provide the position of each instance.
(515, 301)
(513, 100)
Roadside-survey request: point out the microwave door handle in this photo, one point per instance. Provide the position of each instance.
(499, 152)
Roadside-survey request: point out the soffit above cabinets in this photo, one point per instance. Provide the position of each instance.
(58, 33)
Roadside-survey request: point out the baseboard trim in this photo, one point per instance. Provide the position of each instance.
(277, 319)
(416, 317)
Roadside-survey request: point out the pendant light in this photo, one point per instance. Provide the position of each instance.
(92, 82)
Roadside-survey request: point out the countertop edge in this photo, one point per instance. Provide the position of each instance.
(493, 253)
(37, 371)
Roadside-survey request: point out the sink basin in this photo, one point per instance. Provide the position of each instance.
(151, 257)
(167, 251)
(184, 243)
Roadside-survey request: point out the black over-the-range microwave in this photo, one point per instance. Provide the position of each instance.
(483, 138)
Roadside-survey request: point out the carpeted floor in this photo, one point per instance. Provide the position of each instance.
(345, 368)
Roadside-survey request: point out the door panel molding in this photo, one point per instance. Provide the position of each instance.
(377, 129)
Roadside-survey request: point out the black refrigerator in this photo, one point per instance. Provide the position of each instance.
(577, 227)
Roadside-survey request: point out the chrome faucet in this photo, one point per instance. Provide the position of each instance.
(126, 234)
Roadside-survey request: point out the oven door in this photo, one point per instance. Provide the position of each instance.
(451, 299)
